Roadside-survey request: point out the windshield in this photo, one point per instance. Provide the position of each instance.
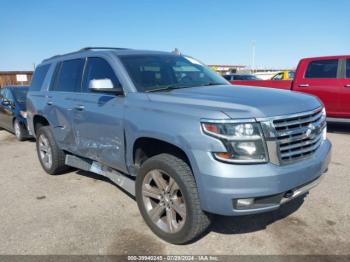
(158, 72)
(20, 95)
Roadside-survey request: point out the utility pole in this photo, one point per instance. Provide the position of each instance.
(253, 57)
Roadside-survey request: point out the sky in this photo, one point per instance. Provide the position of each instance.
(214, 31)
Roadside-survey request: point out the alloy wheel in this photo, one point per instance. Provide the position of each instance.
(17, 129)
(45, 151)
(164, 201)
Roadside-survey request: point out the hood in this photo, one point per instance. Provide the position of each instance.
(240, 101)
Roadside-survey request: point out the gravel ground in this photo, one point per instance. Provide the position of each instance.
(79, 213)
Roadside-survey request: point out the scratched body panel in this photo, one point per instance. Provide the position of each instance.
(98, 129)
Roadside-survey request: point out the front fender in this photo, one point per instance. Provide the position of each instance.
(180, 128)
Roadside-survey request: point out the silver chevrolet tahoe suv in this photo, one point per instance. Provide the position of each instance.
(179, 137)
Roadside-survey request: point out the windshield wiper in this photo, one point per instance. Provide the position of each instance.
(213, 84)
(172, 87)
(165, 88)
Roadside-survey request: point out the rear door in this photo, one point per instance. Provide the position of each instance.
(321, 79)
(61, 99)
(98, 117)
(344, 90)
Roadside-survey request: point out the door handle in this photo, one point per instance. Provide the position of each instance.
(80, 107)
(49, 103)
(304, 85)
(347, 85)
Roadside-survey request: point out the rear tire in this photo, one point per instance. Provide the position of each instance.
(168, 200)
(20, 131)
(51, 157)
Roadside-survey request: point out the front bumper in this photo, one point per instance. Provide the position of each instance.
(220, 185)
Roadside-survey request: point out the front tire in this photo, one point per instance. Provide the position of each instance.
(51, 157)
(20, 132)
(168, 200)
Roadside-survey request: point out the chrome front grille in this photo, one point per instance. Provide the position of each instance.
(298, 136)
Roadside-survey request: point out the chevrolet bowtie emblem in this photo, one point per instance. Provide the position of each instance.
(310, 130)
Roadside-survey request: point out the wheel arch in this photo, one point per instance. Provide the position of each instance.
(39, 121)
(146, 147)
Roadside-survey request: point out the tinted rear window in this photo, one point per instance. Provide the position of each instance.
(322, 69)
(348, 68)
(69, 76)
(38, 78)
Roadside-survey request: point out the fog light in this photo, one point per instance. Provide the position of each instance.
(245, 202)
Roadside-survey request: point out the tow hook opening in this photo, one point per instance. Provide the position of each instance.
(289, 194)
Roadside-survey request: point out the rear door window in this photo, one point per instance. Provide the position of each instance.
(322, 69)
(97, 69)
(348, 68)
(38, 78)
(68, 78)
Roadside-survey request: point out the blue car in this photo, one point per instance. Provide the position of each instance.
(13, 115)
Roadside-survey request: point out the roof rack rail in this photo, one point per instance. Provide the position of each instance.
(101, 47)
(86, 49)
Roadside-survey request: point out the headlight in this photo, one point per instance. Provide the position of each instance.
(23, 114)
(243, 141)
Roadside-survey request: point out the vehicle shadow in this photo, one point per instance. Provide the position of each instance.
(31, 140)
(338, 128)
(226, 224)
(251, 223)
(102, 178)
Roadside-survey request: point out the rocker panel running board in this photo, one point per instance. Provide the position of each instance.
(118, 178)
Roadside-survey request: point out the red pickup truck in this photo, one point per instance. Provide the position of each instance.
(325, 77)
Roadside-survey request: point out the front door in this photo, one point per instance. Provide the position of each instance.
(98, 118)
(2, 110)
(344, 89)
(321, 80)
(6, 110)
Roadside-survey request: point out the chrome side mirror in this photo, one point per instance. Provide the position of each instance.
(105, 86)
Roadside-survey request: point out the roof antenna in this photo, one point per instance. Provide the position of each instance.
(177, 51)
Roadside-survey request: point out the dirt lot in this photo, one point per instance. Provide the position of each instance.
(78, 213)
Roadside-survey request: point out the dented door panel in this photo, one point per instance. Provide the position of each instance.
(99, 129)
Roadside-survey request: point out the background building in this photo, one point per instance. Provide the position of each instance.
(227, 69)
(15, 78)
